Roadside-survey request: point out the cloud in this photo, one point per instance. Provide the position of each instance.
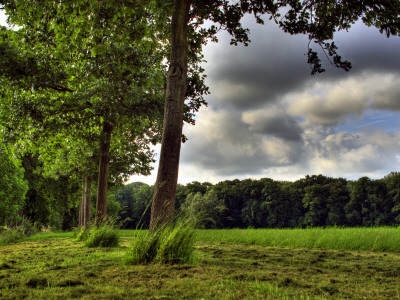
(274, 122)
(274, 63)
(352, 154)
(368, 50)
(222, 142)
(249, 77)
(387, 94)
(268, 117)
(328, 103)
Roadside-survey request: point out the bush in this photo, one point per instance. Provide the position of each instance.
(17, 233)
(38, 226)
(26, 227)
(10, 236)
(172, 244)
(205, 211)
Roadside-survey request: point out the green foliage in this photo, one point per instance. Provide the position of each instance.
(26, 227)
(205, 211)
(134, 199)
(171, 244)
(83, 234)
(13, 187)
(17, 233)
(143, 249)
(10, 236)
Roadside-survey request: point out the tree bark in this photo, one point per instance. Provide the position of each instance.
(81, 204)
(162, 209)
(88, 196)
(101, 201)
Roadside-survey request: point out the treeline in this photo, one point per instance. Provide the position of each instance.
(27, 194)
(317, 200)
(314, 200)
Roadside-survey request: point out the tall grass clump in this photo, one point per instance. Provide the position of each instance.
(171, 244)
(104, 235)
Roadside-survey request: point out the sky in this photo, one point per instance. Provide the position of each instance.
(267, 116)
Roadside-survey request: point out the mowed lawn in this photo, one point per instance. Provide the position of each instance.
(231, 264)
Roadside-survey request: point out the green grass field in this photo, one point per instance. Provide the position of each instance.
(331, 263)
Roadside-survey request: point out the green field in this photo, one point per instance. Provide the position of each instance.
(317, 263)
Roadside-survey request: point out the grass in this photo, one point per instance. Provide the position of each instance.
(60, 268)
(172, 244)
(384, 239)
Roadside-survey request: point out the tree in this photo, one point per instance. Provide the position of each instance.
(134, 199)
(205, 210)
(115, 78)
(13, 187)
(317, 19)
(392, 182)
(230, 191)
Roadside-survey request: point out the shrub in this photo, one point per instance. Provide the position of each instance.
(9, 236)
(38, 226)
(26, 227)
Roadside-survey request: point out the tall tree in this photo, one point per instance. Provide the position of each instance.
(317, 19)
(163, 205)
(115, 77)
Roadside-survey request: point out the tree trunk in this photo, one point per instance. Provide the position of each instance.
(162, 209)
(88, 196)
(81, 204)
(101, 201)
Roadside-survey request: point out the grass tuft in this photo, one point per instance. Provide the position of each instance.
(172, 244)
(105, 235)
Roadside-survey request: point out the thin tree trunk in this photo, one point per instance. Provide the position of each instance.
(162, 209)
(81, 204)
(101, 201)
(88, 196)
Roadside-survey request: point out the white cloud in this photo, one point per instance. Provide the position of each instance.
(352, 154)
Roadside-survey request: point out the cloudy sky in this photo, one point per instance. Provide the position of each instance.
(269, 117)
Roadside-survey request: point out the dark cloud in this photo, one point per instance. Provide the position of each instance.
(274, 63)
(249, 77)
(273, 121)
(368, 50)
(222, 142)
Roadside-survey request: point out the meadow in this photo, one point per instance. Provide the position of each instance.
(315, 263)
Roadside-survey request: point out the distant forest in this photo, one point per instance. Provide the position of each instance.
(317, 200)
(311, 201)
